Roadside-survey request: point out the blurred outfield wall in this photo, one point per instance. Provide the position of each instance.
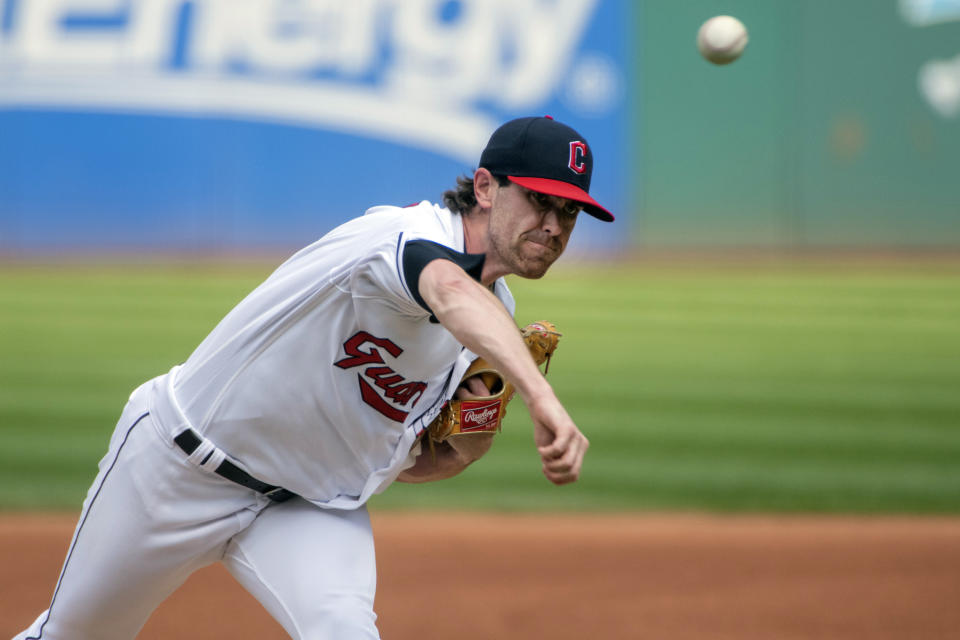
(839, 126)
(217, 124)
(233, 124)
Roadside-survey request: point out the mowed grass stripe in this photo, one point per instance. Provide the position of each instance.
(792, 388)
(830, 373)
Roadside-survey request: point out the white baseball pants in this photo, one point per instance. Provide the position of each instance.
(151, 518)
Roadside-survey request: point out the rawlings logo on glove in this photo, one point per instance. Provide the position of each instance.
(479, 416)
(484, 414)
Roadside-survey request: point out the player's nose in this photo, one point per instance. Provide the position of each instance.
(550, 222)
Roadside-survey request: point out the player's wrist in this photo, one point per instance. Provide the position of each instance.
(537, 392)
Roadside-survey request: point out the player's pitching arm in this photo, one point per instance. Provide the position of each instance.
(479, 322)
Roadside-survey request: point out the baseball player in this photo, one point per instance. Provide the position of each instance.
(314, 392)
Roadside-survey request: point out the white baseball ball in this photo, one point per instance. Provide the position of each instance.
(721, 39)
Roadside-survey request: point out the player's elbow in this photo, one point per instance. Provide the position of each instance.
(470, 447)
(448, 458)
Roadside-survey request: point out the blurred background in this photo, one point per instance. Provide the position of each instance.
(772, 323)
(223, 125)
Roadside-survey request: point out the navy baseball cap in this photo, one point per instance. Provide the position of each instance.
(545, 156)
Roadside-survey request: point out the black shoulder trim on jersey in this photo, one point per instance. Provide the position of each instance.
(418, 253)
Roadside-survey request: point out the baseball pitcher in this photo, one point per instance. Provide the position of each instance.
(345, 370)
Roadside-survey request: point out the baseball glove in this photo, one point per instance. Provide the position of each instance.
(484, 414)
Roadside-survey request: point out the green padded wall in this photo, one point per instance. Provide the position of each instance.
(818, 136)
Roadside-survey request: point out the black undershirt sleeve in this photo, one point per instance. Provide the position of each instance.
(418, 253)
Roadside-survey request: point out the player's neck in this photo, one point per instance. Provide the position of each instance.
(475, 240)
(475, 226)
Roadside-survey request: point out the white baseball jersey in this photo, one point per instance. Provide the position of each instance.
(321, 380)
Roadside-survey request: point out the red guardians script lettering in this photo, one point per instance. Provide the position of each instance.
(394, 390)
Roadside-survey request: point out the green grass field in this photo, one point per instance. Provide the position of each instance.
(763, 386)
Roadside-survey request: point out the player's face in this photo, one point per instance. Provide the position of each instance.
(529, 230)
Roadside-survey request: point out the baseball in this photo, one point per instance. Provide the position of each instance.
(721, 39)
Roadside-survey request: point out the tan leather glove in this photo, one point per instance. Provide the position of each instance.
(484, 414)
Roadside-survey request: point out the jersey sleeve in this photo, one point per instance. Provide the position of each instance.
(417, 254)
(389, 252)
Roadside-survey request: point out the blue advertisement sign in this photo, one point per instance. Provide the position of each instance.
(221, 124)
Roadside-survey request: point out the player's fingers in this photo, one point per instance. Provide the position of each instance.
(564, 462)
(472, 388)
(560, 443)
(477, 387)
(563, 477)
(567, 468)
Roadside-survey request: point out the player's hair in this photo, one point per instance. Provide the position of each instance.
(461, 200)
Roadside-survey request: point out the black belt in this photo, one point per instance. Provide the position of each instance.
(189, 441)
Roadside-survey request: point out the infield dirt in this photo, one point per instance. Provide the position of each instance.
(471, 576)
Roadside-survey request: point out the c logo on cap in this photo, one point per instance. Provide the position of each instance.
(578, 154)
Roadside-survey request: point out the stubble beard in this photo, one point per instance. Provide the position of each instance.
(529, 254)
(526, 258)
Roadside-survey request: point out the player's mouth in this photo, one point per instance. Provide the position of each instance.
(546, 241)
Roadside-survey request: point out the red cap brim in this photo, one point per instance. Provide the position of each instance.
(564, 190)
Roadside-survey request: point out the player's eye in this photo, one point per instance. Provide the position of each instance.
(571, 208)
(540, 201)
(543, 202)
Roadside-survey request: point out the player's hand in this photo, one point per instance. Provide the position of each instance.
(471, 447)
(472, 387)
(560, 443)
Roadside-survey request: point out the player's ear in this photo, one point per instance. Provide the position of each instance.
(484, 185)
